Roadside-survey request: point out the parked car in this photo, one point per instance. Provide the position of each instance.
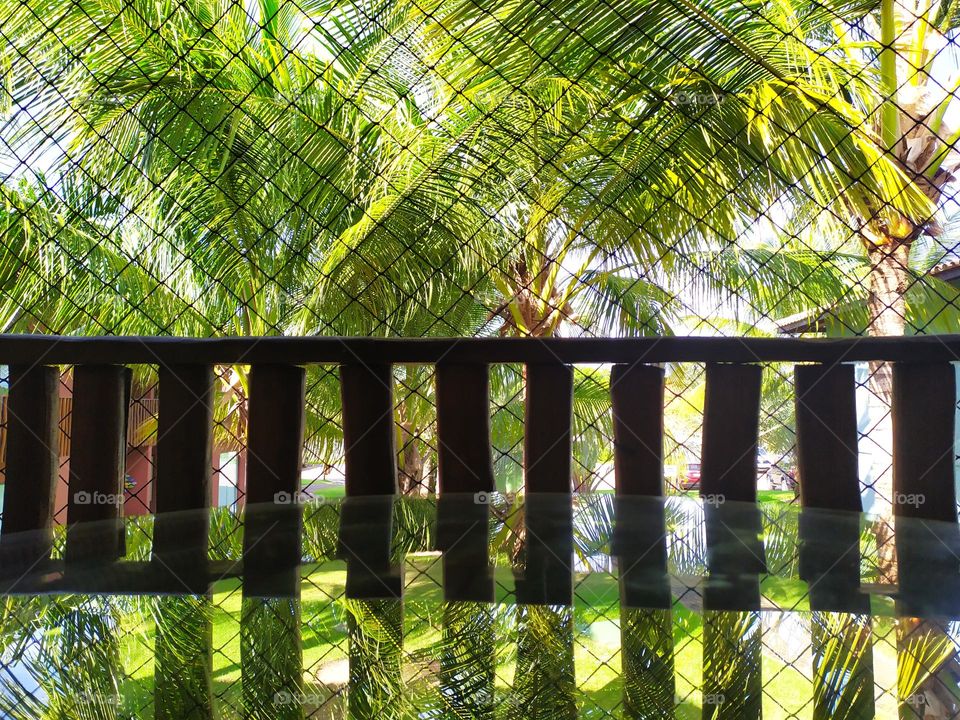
(690, 478)
(773, 473)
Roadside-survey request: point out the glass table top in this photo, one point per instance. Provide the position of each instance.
(490, 607)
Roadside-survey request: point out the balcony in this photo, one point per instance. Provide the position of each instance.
(544, 603)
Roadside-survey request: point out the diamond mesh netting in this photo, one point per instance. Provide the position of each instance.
(466, 168)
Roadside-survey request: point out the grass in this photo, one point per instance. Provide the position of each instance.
(324, 616)
(596, 641)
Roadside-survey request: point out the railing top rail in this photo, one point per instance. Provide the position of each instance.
(65, 350)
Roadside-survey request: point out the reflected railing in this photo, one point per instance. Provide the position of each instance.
(489, 606)
(547, 605)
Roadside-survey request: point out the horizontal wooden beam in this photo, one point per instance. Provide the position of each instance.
(60, 350)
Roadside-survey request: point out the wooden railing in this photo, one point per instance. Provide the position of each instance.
(141, 412)
(924, 404)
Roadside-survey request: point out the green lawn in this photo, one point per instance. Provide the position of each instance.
(596, 619)
(596, 638)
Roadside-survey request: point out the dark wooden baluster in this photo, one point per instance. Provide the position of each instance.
(463, 426)
(272, 513)
(370, 457)
(374, 585)
(466, 481)
(32, 467)
(101, 398)
(182, 485)
(924, 498)
(640, 539)
(184, 638)
(731, 416)
(370, 468)
(728, 487)
(270, 622)
(640, 542)
(545, 670)
(637, 397)
(826, 412)
(548, 513)
(463, 520)
(732, 632)
(924, 405)
(829, 487)
(924, 503)
(829, 526)
(548, 418)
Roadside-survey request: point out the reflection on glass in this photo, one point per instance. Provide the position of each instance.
(842, 666)
(183, 658)
(661, 628)
(732, 683)
(270, 658)
(467, 661)
(544, 687)
(61, 659)
(376, 642)
(647, 660)
(926, 684)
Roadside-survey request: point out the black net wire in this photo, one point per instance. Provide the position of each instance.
(452, 169)
(323, 654)
(565, 168)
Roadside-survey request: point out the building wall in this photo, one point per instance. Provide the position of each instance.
(140, 466)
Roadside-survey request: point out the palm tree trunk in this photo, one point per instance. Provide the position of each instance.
(917, 641)
(412, 465)
(887, 285)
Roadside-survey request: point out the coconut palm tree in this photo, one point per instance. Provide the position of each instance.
(298, 168)
(251, 160)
